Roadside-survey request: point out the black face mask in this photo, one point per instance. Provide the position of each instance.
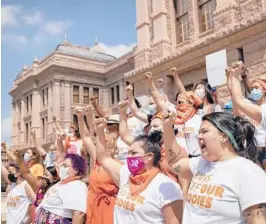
(12, 178)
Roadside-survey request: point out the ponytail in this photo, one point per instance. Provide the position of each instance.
(244, 135)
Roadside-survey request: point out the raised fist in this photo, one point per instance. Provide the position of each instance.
(148, 75)
(123, 105)
(100, 122)
(62, 135)
(129, 88)
(173, 71)
(94, 100)
(79, 110)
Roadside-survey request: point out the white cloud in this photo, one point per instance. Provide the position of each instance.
(9, 15)
(6, 127)
(57, 27)
(14, 40)
(35, 19)
(117, 50)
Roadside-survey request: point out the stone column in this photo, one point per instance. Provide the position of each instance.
(100, 96)
(91, 92)
(50, 109)
(13, 128)
(143, 33)
(81, 94)
(67, 94)
(22, 124)
(106, 102)
(56, 99)
(35, 115)
(161, 45)
(122, 89)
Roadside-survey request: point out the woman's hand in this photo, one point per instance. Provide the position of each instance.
(79, 111)
(94, 100)
(100, 123)
(173, 72)
(129, 91)
(148, 77)
(123, 105)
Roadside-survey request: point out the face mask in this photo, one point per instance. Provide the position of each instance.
(12, 178)
(63, 172)
(256, 94)
(135, 164)
(152, 109)
(200, 93)
(27, 157)
(71, 134)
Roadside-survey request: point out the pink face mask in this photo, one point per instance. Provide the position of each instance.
(135, 164)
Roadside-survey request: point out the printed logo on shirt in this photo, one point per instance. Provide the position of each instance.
(126, 201)
(72, 149)
(185, 132)
(12, 201)
(201, 193)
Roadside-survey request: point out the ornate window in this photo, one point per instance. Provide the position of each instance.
(206, 8)
(182, 24)
(86, 95)
(112, 95)
(76, 94)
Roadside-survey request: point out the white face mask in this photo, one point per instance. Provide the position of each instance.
(63, 172)
(200, 93)
(70, 134)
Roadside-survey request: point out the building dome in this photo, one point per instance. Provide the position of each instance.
(96, 53)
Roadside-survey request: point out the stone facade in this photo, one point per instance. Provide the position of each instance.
(64, 79)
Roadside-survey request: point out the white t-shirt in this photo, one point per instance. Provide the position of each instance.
(17, 204)
(75, 147)
(63, 199)
(147, 206)
(221, 191)
(49, 159)
(135, 126)
(187, 136)
(122, 148)
(263, 120)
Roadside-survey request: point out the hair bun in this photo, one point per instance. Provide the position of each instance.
(156, 137)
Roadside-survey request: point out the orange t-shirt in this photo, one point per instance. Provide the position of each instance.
(101, 197)
(36, 169)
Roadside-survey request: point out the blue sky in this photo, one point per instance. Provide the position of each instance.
(34, 28)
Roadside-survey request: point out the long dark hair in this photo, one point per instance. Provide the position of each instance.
(239, 130)
(152, 143)
(208, 91)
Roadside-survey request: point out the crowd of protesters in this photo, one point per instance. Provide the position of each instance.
(189, 161)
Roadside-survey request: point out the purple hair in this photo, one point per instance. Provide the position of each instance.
(78, 163)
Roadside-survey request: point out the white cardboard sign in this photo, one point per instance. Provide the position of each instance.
(216, 64)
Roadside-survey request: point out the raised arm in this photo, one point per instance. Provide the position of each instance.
(9, 153)
(24, 170)
(175, 154)
(178, 82)
(111, 166)
(123, 128)
(81, 123)
(100, 111)
(57, 125)
(4, 173)
(132, 104)
(90, 119)
(60, 148)
(162, 105)
(39, 149)
(251, 110)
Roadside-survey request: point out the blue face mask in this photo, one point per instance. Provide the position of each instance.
(152, 110)
(256, 94)
(27, 157)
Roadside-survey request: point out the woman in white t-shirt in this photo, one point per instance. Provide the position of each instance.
(222, 188)
(145, 195)
(256, 111)
(20, 196)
